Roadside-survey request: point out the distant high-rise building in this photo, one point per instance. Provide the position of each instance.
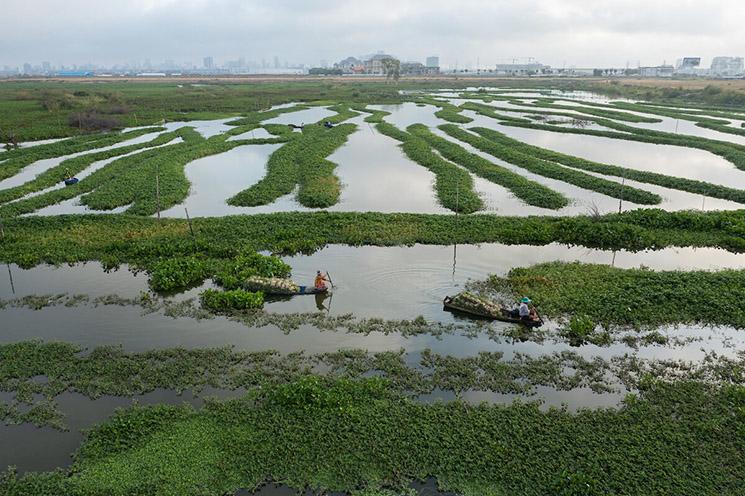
(688, 66)
(433, 61)
(27, 69)
(209, 63)
(46, 67)
(727, 67)
(276, 62)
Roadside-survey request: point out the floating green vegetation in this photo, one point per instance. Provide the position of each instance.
(603, 111)
(75, 165)
(448, 111)
(98, 178)
(732, 152)
(454, 186)
(108, 370)
(701, 120)
(530, 192)
(489, 111)
(302, 161)
(233, 273)
(551, 170)
(260, 116)
(234, 299)
(132, 239)
(375, 115)
(689, 185)
(17, 159)
(341, 435)
(630, 297)
(343, 113)
(178, 273)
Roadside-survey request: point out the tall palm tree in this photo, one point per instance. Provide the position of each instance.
(392, 68)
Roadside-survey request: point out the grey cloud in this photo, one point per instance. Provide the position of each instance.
(580, 32)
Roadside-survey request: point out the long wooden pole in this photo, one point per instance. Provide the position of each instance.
(157, 189)
(188, 219)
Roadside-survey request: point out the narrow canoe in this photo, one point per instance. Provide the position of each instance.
(304, 290)
(504, 316)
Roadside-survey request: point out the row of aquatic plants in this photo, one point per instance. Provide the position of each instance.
(179, 272)
(115, 239)
(448, 111)
(234, 299)
(612, 296)
(263, 115)
(598, 111)
(109, 370)
(16, 160)
(341, 435)
(301, 161)
(679, 183)
(75, 165)
(131, 180)
(530, 192)
(732, 152)
(454, 186)
(552, 170)
(375, 116)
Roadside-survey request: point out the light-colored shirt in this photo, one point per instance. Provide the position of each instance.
(524, 310)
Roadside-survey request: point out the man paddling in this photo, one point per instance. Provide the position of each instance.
(321, 280)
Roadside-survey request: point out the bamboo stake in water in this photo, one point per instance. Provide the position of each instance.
(188, 219)
(157, 190)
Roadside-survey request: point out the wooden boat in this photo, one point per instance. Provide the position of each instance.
(71, 180)
(303, 290)
(505, 315)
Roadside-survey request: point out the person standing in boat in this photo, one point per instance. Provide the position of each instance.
(523, 310)
(321, 280)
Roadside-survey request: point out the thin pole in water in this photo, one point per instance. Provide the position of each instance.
(10, 275)
(188, 219)
(703, 203)
(157, 189)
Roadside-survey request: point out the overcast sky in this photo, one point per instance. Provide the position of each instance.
(581, 33)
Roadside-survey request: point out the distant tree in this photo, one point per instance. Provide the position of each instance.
(392, 68)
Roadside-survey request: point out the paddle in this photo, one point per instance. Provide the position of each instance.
(538, 315)
(329, 276)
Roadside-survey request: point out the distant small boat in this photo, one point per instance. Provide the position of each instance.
(71, 180)
(504, 316)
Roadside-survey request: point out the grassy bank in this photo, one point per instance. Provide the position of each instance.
(346, 435)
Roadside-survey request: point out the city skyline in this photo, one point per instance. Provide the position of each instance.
(472, 33)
